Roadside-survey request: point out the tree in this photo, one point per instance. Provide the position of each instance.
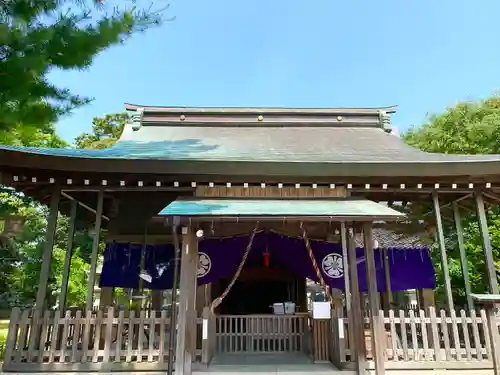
(20, 256)
(37, 36)
(467, 128)
(105, 131)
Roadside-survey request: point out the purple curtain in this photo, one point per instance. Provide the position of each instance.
(219, 258)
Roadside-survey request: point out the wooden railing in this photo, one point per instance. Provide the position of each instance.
(88, 341)
(139, 341)
(260, 333)
(424, 339)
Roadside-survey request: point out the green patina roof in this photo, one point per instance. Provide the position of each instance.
(259, 144)
(224, 142)
(486, 298)
(345, 208)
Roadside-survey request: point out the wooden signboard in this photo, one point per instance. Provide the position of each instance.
(271, 192)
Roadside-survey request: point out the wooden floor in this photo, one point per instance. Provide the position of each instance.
(274, 363)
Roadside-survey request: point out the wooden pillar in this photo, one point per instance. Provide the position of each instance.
(302, 292)
(106, 297)
(156, 299)
(377, 328)
(483, 228)
(187, 312)
(95, 249)
(48, 247)
(201, 298)
(347, 286)
(63, 296)
(356, 323)
(442, 250)
(175, 287)
(426, 299)
(463, 256)
(387, 274)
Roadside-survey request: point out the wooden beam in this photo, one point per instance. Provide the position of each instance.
(271, 191)
(88, 208)
(67, 259)
(442, 250)
(95, 249)
(485, 237)
(378, 343)
(463, 256)
(358, 347)
(48, 247)
(492, 196)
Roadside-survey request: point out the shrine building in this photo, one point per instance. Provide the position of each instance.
(224, 222)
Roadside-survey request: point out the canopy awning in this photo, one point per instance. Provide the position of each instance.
(331, 209)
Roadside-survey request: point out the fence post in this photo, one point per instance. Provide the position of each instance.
(10, 344)
(335, 338)
(213, 334)
(108, 335)
(205, 336)
(495, 345)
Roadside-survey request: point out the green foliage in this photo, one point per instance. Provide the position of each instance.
(105, 131)
(467, 128)
(32, 136)
(37, 36)
(21, 257)
(3, 341)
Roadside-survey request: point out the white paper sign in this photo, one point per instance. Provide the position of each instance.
(204, 330)
(321, 310)
(341, 328)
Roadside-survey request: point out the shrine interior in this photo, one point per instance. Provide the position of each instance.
(260, 285)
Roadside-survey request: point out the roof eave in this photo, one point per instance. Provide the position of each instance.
(313, 218)
(389, 169)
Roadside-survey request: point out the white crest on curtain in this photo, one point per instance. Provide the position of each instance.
(333, 265)
(204, 264)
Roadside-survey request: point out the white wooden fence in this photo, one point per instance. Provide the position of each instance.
(426, 339)
(139, 341)
(261, 333)
(91, 341)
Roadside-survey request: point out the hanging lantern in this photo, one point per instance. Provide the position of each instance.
(13, 225)
(266, 256)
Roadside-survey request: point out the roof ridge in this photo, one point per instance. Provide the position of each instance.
(258, 110)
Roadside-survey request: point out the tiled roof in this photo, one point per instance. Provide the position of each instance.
(390, 239)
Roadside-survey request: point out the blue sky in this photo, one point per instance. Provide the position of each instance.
(423, 55)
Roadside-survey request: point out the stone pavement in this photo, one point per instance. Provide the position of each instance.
(277, 364)
(257, 370)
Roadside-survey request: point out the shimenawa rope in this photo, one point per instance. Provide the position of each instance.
(219, 299)
(315, 266)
